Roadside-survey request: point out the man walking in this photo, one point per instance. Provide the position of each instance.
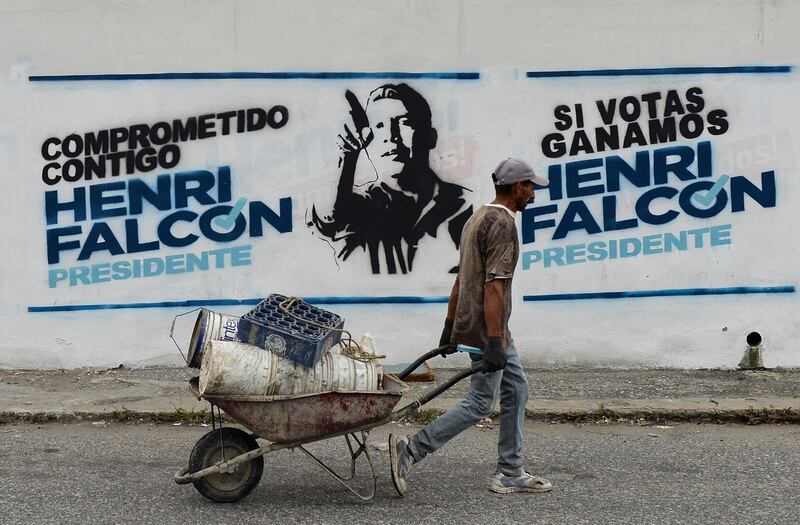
(477, 316)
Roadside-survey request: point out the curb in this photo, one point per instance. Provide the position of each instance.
(749, 416)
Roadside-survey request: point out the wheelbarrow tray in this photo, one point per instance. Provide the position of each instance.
(283, 419)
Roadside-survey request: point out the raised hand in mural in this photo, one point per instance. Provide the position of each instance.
(351, 143)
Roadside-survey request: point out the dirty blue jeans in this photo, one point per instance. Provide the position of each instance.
(512, 386)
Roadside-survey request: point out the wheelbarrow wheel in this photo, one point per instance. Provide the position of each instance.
(226, 487)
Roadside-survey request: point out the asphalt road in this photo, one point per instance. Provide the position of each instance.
(122, 473)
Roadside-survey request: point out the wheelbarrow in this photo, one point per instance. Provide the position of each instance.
(227, 463)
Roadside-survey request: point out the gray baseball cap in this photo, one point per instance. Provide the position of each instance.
(514, 170)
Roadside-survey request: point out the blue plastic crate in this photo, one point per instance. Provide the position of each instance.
(269, 327)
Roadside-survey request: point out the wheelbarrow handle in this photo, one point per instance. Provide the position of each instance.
(413, 406)
(440, 351)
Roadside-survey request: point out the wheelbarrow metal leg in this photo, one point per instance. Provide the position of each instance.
(354, 454)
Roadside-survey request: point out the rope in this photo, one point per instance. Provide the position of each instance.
(350, 347)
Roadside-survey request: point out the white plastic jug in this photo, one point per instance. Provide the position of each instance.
(231, 367)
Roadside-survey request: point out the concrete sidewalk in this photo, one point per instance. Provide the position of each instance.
(557, 394)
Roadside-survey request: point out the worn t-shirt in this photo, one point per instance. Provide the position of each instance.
(489, 250)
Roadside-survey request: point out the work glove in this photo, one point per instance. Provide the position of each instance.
(494, 357)
(447, 333)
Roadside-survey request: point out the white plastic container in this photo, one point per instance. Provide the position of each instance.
(230, 367)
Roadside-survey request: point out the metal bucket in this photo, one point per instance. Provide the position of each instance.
(236, 368)
(210, 326)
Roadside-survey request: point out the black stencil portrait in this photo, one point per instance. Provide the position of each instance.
(404, 200)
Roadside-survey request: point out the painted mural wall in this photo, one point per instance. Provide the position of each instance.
(214, 154)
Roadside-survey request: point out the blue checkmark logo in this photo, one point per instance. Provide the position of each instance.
(706, 199)
(227, 221)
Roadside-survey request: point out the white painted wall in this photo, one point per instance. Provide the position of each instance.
(479, 122)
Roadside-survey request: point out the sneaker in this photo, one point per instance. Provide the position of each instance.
(401, 462)
(504, 484)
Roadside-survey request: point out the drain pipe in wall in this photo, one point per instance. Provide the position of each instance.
(752, 359)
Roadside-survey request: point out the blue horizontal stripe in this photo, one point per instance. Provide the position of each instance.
(410, 299)
(263, 75)
(162, 304)
(736, 290)
(661, 71)
(391, 299)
